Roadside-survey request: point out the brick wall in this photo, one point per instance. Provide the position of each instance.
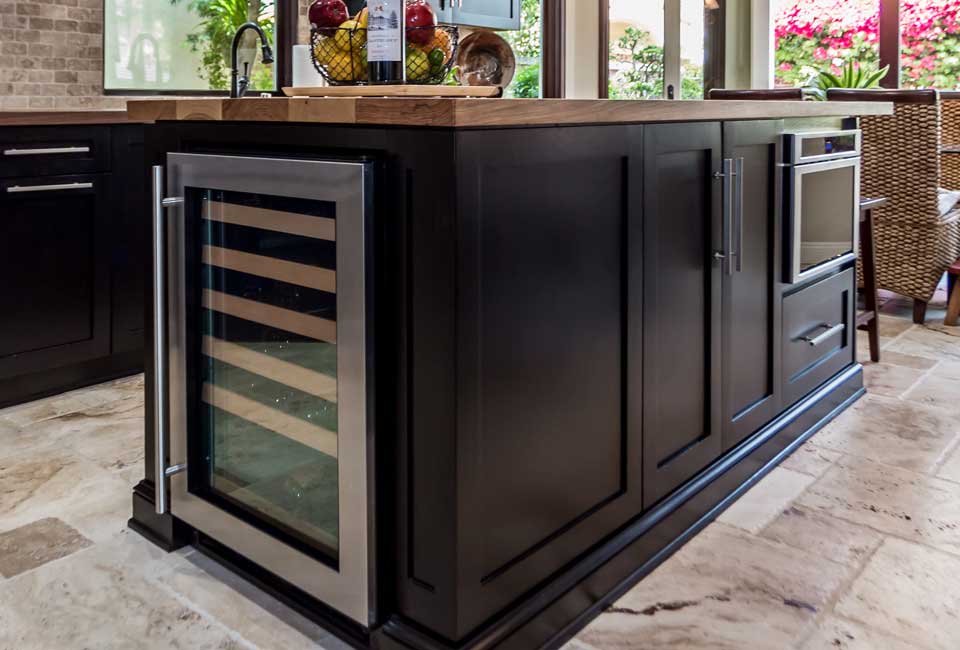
(51, 54)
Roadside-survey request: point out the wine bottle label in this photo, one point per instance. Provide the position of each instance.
(385, 31)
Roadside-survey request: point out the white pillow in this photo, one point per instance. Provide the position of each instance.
(947, 200)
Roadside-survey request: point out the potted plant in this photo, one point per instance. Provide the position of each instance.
(852, 76)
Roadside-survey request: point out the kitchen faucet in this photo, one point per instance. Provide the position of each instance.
(238, 82)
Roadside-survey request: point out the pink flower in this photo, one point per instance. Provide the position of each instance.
(820, 54)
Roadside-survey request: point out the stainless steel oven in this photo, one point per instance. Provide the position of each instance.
(263, 365)
(821, 201)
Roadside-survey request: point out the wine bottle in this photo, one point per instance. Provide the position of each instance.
(386, 36)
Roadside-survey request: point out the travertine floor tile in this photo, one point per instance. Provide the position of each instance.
(834, 633)
(236, 604)
(888, 379)
(891, 500)
(892, 326)
(927, 342)
(908, 591)
(725, 590)
(892, 431)
(44, 409)
(100, 599)
(819, 533)
(33, 545)
(906, 360)
(940, 387)
(765, 500)
(811, 459)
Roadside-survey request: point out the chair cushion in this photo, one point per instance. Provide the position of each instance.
(947, 200)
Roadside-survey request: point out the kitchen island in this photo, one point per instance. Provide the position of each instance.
(454, 373)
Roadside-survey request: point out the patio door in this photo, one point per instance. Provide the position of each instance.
(656, 48)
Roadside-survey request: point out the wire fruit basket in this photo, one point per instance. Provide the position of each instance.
(340, 54)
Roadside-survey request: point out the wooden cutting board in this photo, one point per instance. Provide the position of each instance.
(411, 90)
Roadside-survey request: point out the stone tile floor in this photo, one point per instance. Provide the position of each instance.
(854, 542)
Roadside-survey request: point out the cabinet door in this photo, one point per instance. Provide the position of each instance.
(492, 14)
(130, 239)
(681, 313)
(751, 314)
(55, 269)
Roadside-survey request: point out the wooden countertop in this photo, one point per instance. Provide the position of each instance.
(470, 113)
(63, 117)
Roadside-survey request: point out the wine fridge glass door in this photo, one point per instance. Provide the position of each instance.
(268, 372)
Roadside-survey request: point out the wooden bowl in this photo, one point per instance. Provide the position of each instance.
(485, 59)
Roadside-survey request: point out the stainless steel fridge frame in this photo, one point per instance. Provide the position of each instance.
(347, 588)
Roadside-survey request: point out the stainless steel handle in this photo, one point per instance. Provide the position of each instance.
(728, 173)
(160, 424)
(738, 211)
(14, 189)
(831, 330)
(45, 151)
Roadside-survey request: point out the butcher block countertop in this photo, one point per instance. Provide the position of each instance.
(63, 117)
(472, 113)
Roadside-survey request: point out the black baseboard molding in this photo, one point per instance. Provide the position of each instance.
(564, 606)
(37, 385)
(560, 608)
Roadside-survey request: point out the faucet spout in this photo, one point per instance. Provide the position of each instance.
(238, 82)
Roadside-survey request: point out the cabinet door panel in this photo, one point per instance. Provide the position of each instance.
(492, 14)
(750, 307)
(542, 328)
(681, 432)
(54, 265)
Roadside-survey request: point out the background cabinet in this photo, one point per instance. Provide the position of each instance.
(56, 273)
(751, 300)
(681, 314)
(493, 14)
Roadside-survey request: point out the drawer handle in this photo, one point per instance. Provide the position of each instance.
(14, 189)
(832, 330)
(45, 151)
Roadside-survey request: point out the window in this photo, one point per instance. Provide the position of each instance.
(816, 35)
(183, 45)
(527, 44)
(656, 49)
(930, 44)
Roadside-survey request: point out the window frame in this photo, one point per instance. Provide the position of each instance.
(286, 15)
(714, 24)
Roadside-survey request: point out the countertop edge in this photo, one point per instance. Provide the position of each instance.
(477, 113)
(65, 117)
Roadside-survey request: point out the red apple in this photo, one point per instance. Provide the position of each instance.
(327, 15)
(421, 22)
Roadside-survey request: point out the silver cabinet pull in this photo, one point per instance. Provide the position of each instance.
(738, 211)
(14, 189)
(160, 416)
(45, 151)
(831, 330)
(728, 210)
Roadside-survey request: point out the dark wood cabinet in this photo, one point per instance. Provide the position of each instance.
(681, 313)
(751, 299)
(492, 14)
(55, 268)
(73, 257)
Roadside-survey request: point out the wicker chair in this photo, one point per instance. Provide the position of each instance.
(901, 161)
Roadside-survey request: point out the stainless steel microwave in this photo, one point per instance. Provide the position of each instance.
(821, 201)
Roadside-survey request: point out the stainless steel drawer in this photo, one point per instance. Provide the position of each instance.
(818, 334)
(54, 150)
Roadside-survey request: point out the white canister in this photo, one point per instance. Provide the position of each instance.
(304, 74)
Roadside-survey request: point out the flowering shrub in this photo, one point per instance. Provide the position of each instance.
(816, 35)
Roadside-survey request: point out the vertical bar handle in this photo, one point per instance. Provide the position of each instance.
(728, 172)
(738, 211)
(159, 344)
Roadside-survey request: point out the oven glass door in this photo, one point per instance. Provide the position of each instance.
(267, 357)
(824, 210)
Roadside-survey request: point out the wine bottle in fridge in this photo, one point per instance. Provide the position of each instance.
(385, 41)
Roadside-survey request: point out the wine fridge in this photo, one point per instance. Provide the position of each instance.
(262, 349)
